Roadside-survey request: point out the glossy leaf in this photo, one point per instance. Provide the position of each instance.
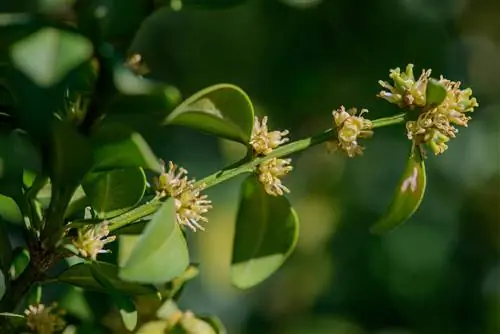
(132, 151)
(408, 195)
(80, 275)
(47, 55)
(266, 234)
(115, 192)
(124, 303)
(435, 93)
(161, 252)
(223, 110)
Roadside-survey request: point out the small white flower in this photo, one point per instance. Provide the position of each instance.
(270, 173)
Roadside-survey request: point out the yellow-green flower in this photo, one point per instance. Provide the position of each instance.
(91, 240)
(270, 174)
(263, 141)
(350, 128)
(190, 204)
(43, 319)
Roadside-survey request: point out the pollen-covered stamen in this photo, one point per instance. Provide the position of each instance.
(171, 182)
(91, 240)
(43, 319)
(190, 207)
(263, 141)
(270, 174)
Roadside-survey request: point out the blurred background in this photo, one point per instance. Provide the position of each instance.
(299, 60)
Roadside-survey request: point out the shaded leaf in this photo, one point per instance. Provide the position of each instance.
(3, 284)
(132, 151)
(435, 93)
(408, 195)
(47, 55)
(20, 260)
(212, 3)
(223, 110)
(5, 247)
(80, 275)
(115, 192)
(124, 303)
(132, 229)
(266, 234)
(161, 252)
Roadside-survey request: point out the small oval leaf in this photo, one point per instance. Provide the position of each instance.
(435, 93)
(266, 234)
(161, 252)
(115, 192)
(408, 196)
(20, 261)
(223, 110)
(80, 275)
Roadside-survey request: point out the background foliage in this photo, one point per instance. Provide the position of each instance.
(298, 60)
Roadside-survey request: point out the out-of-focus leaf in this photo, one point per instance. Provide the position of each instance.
(132, 229)
(34, 296)
(114, 192)
(10, 211)
(196, 325)
(174, 287)
(124, 303)
(80, 275)
(167, 310)
(132, 151)
(216, 324)
(161, 252)
(211, 3)
(5, 247)
(435, 93)
(266, 234)
(47, 55)
(3, 284)
(223, 110)
(20, 260)
(153, 327)
(408, 195)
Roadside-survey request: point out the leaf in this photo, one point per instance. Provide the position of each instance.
(196, 325)
(124, 303)
(215, 323)
(80, 275)
(5, 247)
(9, 210)
(167, 310)
(223, 110)
(266, 234)
(47, 55)
(212, 3)
(161, 252)
(408, 195)
(132, 151)
(153, 327)
(115, 192)
(20, 260)
(435, 93)
(3, 284)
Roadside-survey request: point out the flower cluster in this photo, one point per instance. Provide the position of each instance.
(406, 91)
(270, 171)
(190, 204)
(91, 240)
(263, 142)
(43, 319)
(434, 125)
(349, 128)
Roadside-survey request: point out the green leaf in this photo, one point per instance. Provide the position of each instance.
(9, 210)
(408, 195)
(132, 151)
(196, 325)
(266, 234)
(223, 110)
(161, 252)
(216, 324)
(5, 247)
(132, 229)
(20, 260)
(115, 192)
(47, 55)
(80, 275)
(173, 288)
(211, 3)
(3, 284)
(167, 310)
(435, 93)
(124, 303)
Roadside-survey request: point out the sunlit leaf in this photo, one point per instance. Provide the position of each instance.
(266, 233)
(167, 310)
(9, 210)
(114, 192)
(223, 110)
(20, 260)
(408, 195)
(435, 93)
(124, 303)
(132, 151)
(161, 252)
(80, 275)
(47, 55)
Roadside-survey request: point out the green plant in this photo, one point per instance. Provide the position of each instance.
(74, 165)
